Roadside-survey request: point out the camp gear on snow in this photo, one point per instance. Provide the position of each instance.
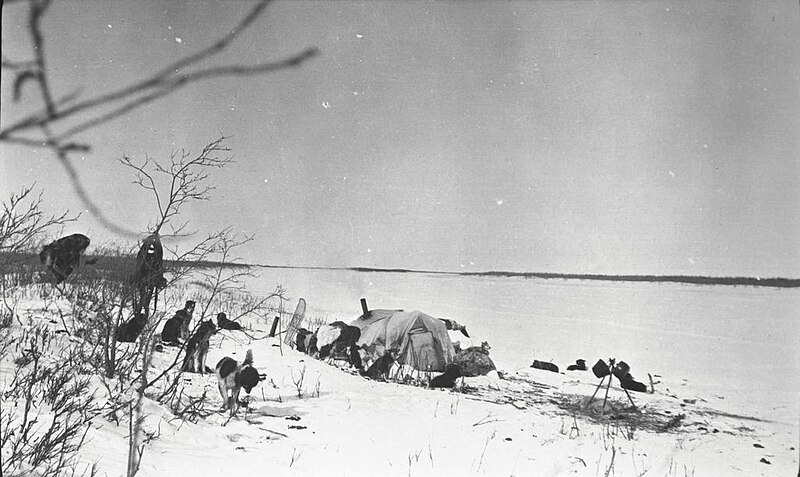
(418, 340)
(621, 371)
(580, 365)
(600, 369)
(544, 365)
(475, 361)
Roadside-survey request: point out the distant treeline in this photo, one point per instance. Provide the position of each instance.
(699, 280)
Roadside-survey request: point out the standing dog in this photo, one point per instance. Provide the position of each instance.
(178, 326)
(197, 348)
(232, 377)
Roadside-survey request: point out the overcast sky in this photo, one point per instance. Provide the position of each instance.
(588, 137)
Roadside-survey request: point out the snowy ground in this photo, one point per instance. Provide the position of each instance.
(528, 423)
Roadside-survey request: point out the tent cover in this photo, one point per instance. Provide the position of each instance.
(419, 340)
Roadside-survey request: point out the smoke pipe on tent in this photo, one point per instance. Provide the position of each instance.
(364, 307)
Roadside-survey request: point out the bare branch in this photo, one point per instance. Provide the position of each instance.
(119, 102)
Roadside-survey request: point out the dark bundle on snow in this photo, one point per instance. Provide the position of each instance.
(63, 256)
(544, 365)
(580, 365)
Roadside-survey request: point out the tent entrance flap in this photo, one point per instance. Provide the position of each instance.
(422, 353)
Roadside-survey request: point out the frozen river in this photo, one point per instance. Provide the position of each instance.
(733, 343)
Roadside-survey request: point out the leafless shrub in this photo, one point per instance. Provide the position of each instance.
(298, 381)
(46, 410)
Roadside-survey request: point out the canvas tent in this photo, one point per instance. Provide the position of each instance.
(419, 340)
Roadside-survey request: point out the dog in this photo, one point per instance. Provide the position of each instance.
(448, 378)
(224, 323)
(233, 376)
(63, 256)
(197, 349)
(380, 368)
(178, 326)
(128, 332)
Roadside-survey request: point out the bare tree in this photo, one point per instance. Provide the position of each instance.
(62, 118)
(185, 178)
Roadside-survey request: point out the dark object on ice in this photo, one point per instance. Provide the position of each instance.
(129, 331)
(178, 326)
(452, 325)
(63, 256)
(544, 365)
(475, 361)
(380, 368)
(600, 369)
(580, 365)
(224, 323)
(765, 461)
(628, 382)
(448, 379)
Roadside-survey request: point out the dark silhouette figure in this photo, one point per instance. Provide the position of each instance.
(63, 256)
(148, 278)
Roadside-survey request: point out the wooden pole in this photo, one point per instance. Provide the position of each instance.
(608, 386)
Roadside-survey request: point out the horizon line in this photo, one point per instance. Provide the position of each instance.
(781, 282)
